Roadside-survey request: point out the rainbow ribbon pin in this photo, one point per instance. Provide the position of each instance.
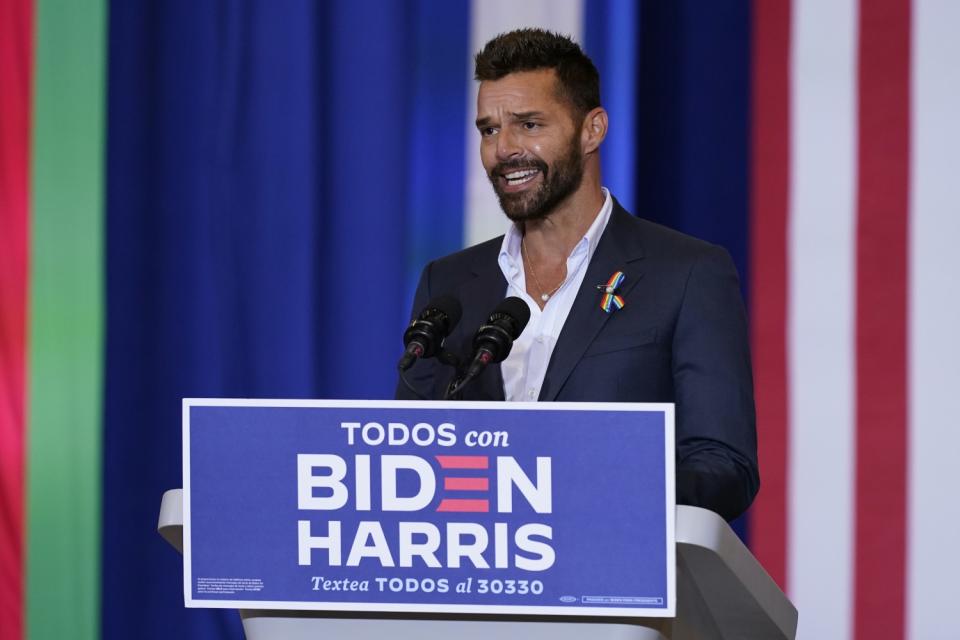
(610, 298)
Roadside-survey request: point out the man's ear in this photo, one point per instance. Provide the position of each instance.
(594, 129)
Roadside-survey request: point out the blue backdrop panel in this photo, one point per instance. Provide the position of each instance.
(261, 163)
(437, 161)
(612, 40)
(693, 169)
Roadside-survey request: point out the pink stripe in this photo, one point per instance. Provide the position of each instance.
(881, 344)
(768, 278)
(463, 462)
(16, 68)
(452, 504)
(466, 484)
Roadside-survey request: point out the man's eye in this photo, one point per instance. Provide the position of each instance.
(530, 126)
(486, 132)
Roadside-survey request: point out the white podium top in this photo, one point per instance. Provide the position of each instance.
(722, 592)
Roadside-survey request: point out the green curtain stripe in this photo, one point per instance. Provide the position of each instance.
(66, 322)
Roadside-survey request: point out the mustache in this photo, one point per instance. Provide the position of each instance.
(503, 168)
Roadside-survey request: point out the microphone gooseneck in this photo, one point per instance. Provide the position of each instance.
(494, 339)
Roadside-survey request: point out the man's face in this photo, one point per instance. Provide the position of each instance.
(530, 144)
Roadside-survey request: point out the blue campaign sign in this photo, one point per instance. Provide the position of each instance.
(438, 507)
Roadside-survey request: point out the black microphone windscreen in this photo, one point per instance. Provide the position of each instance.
(449, 306)
(516, 309)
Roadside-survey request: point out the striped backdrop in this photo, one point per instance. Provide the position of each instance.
(192, 194)
(856, 306)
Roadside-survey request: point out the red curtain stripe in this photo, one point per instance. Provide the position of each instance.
(16, 64)
(770, 154)
(881, 325)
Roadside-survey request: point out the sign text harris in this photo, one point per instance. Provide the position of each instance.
(328, 482)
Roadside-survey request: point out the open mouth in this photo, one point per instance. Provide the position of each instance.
(519, 177)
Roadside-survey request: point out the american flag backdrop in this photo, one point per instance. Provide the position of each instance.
(854, 286)
(192, 194)
(856, 306)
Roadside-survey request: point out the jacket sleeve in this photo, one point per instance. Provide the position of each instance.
(713, 386)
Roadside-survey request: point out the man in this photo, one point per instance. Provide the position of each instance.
(680, 335)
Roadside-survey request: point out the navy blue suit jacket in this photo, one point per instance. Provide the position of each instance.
(681, 337)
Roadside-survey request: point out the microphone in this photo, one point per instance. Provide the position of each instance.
(494, 339)
(426, 333)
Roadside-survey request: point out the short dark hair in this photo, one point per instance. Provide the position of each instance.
(533, 49)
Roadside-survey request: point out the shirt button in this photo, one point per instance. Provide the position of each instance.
(540, 339)
(530, 393)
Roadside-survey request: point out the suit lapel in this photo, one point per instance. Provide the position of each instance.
(481, 295)
(619, 249)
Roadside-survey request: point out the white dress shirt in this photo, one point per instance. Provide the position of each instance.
(525, 367)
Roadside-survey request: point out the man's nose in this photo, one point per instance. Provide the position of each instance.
(507, 145)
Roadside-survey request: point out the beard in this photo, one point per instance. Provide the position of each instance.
(558, 183)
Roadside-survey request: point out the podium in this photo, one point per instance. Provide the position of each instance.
(722, 593)
(371, 519)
